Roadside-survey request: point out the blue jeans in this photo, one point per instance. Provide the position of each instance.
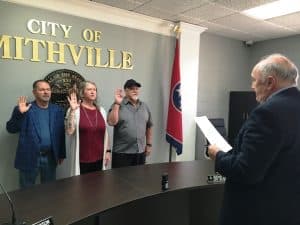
(46, 167)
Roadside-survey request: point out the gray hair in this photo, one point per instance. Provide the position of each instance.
(82, 87)
(279, 66)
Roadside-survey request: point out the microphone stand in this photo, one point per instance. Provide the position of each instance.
(13, 216)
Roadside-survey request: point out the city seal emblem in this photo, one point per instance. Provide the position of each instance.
(61, 82)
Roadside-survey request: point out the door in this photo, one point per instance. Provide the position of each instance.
(241, 103)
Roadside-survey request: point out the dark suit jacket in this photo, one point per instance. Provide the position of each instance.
(263, 169)
(27, 124)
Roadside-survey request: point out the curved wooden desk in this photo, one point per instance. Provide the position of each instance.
(123, 196)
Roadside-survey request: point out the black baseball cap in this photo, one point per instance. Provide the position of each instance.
(131, 83)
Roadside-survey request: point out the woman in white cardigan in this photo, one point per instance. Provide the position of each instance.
(87, 130)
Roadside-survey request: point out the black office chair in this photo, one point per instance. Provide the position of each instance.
(219, 124)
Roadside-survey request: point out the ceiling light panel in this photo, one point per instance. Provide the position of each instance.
(273, 9)
(242, 4)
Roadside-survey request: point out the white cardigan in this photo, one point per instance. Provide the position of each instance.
(71, 166)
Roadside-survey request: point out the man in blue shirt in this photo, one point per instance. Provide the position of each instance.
(41, 144)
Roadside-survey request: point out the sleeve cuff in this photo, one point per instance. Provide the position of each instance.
(219, 155)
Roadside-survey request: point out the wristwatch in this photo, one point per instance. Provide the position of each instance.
(149, 145)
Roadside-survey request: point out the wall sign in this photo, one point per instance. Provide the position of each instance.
(61, 81)
(13, 46)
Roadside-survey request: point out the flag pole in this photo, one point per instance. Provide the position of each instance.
(170, 153)
(174, 119)
(177, 31)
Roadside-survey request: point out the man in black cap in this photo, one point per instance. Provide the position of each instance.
(132, 123)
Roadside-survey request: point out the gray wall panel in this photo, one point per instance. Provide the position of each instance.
(152, 59)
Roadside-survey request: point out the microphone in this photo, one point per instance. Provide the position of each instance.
(13, 216)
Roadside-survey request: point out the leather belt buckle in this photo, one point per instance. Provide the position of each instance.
(44, 153)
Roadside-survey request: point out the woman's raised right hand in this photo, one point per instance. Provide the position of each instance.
(74, 103)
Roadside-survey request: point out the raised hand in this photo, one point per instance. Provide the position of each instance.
(22, 103)
(118, 96)
(74, 103)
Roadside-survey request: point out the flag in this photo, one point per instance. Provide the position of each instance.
(174, 121)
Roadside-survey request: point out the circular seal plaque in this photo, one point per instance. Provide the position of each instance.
(61, 81)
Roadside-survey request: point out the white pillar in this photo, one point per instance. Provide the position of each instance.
(189, 66)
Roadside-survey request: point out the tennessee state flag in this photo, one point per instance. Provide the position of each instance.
(174, 121)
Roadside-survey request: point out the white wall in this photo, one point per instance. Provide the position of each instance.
(289, 46)
(224, 67)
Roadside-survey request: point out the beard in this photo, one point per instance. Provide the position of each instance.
(135, 97)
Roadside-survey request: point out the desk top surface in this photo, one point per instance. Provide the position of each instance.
(75, 198)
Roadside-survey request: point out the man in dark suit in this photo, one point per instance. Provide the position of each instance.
(263, 169)
(41, 143)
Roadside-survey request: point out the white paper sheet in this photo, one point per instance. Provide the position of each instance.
(211, 134)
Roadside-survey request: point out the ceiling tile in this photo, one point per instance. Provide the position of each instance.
(174, 6)
(185, 18)
(273, 32)
(228, 32)
(296, 28)
(208, 12)
(155, 12)
(265, 26)
(259, 28)
(221, 17)
(289, 20)
(237, 21)
(123, 4)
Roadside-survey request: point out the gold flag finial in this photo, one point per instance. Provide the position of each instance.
(177, 30)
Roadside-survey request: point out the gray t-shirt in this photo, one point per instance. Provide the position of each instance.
(130, 131)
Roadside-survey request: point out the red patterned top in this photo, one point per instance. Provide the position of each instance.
(91, 135)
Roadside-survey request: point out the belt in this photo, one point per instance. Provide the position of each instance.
(45, 152)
